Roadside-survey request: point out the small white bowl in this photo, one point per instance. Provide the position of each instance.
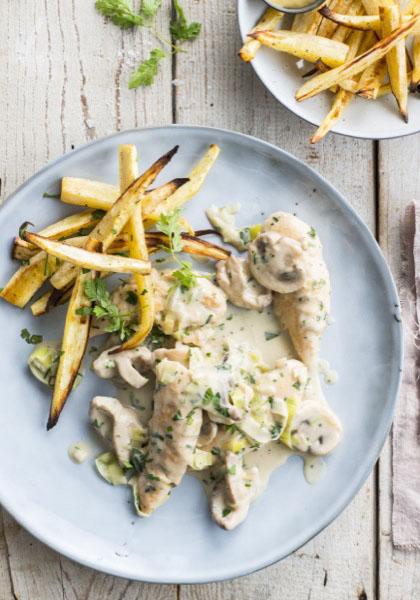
(367, 119)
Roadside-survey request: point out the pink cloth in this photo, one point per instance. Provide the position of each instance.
(406, 428)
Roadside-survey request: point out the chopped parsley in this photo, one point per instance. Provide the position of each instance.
(269, 335)
(180, 29)
(213, 398)
(30, 338)
(48, 195)
(103, 307)
(147, 70)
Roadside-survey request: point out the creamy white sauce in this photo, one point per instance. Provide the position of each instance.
(252, 327)
(79, 452)
(330, 376)
(267, 458)
(313, 468)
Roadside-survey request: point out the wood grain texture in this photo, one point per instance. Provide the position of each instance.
(227, 94)
(399, 182)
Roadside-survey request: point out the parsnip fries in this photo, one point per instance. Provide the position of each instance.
(138, 250)
(359, 49)
(108, 236)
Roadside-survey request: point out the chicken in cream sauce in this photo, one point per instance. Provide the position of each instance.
(209, 400)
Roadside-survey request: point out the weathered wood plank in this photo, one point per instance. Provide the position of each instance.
(216, 89)
(63, 81)
(399, 573)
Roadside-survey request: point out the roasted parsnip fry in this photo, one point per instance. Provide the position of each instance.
(49, 300)
(183, 194)
(76, 330)
(87, 219)
(379, 50)
(342, 98)
(138, 250)
(372, 79)
(89, 260)
(396, 58)
(341, 101)
(415, 75)
(327, 27)
(96, 195)
(29, 278)
(72, 224)
(311, 23)
(269, 22)
(85, 192)
(190, 245)
(73, 347)
(303, 45)
(363, 22)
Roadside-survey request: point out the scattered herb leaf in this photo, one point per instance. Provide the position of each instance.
(269, 335)
(180, 29)
(147, 70)
(119, 12)
(30, 338)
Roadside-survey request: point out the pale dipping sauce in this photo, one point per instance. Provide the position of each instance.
(290, 3)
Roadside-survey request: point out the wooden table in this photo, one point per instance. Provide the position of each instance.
(63, 82)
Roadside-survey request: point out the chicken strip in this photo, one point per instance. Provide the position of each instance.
(287, 257)
(233, 495)
(173, 433)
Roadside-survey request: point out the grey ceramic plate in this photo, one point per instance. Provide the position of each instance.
(70, 508)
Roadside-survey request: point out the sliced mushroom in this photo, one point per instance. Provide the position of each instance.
(314, 429)
(234, 277)
(277, 262)
(110, 417)
(208, 433)
(124, 364)
(232, 497)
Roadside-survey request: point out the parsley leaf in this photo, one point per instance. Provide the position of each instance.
(119, 12)
(169, 225)
(180, 29)
(147, 70)
(269, 335)
(97, 293)
(30, 338)
(149, 8)
(185, 276)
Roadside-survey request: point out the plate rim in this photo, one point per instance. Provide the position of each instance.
(242, 32)
(118, 571)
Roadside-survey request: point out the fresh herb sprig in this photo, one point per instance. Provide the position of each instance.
(147, 70)
(103, 307)
(180, 29)
(121, 13)
(169, 224)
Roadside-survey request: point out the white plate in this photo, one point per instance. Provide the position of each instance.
(378, 119)
(70, 508)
